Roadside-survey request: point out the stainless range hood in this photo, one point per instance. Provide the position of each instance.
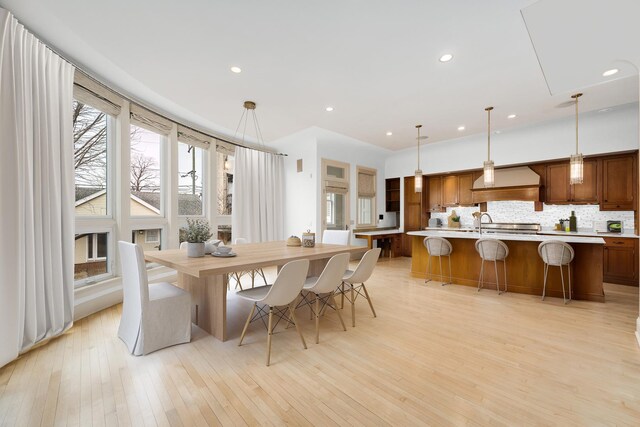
(518, 183)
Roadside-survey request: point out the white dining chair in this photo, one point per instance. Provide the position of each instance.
(319, 292)
(153, 316)
(278, 298)
(353, 282)
(336, 237)
(253, 273)
(559, 254)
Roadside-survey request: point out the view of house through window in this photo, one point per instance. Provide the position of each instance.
(91, 164)
(366, 206)
(190, 180)
(145, 179)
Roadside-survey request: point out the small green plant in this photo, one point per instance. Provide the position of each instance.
(197, 231)
(455, 218)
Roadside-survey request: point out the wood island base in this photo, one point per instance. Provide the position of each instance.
(525, 269)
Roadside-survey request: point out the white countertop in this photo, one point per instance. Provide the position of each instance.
(507, 236)
(377, 233)
(580, 233)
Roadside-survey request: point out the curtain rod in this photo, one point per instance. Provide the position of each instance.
(129, 99)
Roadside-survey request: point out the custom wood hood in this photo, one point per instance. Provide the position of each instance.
(519, 183)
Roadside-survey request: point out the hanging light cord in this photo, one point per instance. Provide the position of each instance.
(576, 96)
(488, 110)
(418, 126)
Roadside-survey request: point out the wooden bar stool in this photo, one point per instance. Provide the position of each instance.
(492, 250)
(557, 253)
(438, 247)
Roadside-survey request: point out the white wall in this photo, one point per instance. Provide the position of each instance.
(616, 130)
(303, 190)
(301, 194)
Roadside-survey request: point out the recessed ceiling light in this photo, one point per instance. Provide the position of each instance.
(461, 128)
(236, 70)
(511, 116)
(329, 109)
(610, 72)
(446, 57)
(389, 133)
(605, 110)
(498, 132)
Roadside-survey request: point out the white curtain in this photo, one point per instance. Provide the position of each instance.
(36, 191)
(258, 196)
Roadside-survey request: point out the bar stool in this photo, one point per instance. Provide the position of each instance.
(557, 253)
(438, 247)
(492, 250)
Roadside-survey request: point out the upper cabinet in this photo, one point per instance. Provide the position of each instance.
(619, 183)
(434, 201)
(456, 190)
(392, 195)
(559, 191)
(450, 190)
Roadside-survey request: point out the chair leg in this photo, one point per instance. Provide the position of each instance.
(317, 319)
(335, 304)
(544, 283)
(261, 273)
(564, 295)
(481, 278)
(441, 275)
(353, 306)
(252, 273)
(428, 278)
(495, 266)
(246, 325)
(450, 275)
(342, 291)
(270, 332)
(504, 264)
(569, 274)
(364, 288)
(292, 314)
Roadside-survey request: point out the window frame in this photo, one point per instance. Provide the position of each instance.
(162, 167)
(205, 186)
(374, 198)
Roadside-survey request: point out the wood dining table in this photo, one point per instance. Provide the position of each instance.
(206, 277)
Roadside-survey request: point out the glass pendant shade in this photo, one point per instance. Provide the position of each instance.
(418, 181)
(576, 171)
(489, 177)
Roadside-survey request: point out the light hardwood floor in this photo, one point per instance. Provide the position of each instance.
(434, 356)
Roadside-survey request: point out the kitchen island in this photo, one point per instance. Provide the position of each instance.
(525, 269)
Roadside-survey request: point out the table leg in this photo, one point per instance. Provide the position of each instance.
(209, 302)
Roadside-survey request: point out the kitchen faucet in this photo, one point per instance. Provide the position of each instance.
(480, 220)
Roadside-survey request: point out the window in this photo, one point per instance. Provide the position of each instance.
(366, 206)
(91, 256)
(90, 158)
(150, 239)
(92, 134)
(145, 177)
(225, 183)
(190, 180)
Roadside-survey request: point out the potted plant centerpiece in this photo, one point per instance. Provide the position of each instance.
(197, 233)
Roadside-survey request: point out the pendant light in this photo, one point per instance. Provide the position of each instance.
(576, 171)
(418, 174)
(249, 111)
(489, 176)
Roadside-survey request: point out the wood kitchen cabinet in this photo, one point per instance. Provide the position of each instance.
(620, 263)
(434, 199)
(465, 184)
(559, 190)
(392, 195)
(450, 190)
(619, 183)
(414, 219)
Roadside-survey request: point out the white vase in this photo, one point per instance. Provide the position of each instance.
(195, 250)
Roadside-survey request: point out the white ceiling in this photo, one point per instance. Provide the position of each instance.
(374, 61)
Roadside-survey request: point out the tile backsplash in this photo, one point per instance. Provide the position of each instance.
(524, 212)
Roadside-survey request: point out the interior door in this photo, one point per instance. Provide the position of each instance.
(335, 195)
